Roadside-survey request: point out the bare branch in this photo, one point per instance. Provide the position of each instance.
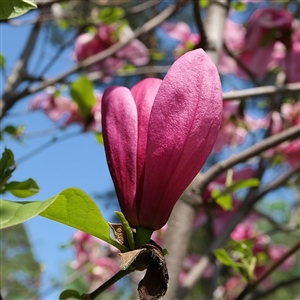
(148, 26)
(197, 16)
(263, 90)
(274, 288)
(203, 179)
(20, 70)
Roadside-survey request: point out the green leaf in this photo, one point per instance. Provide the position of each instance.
(225, 259)
(7, 165)
(110, 15)
(99, 137)
(67, 294)
(225, 201)
(204, 3)
(239, 6)
(71, 207)
(158, 55)
(2, 61)
(14, 8)
(243, 184)
(82, 92)
(23, 189)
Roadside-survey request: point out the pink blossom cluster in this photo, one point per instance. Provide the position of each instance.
(89, 44)
(63, 109)
(234, 129)
(95, 259)
(270, 38)
(181, 31)
(289, 115)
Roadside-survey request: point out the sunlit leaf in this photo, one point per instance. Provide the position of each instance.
(225, 201)
(110, 15)
(239, 6)
(99, 137)
(204, 3)
(15, 8)
(158, 55)
(82, 92)
(71, 207)
(23, 189)
(223, 256)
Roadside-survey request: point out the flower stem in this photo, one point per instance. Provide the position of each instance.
(106, 285)
(143, 236)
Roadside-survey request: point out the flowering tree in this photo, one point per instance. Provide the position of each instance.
(163, 118)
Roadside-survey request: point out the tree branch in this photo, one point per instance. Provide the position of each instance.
(203, 179)
(20, 70)
(148, 26)
(274, 288)
(198, 19)
(263, 90)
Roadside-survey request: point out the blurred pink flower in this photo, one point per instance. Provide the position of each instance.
(158, 135)
(264, 28)
(234, 39)
(55, 107)
(65, 110)
(188, 263)
(243, 231)
(89, 44)
(287, 57)
(277, 251)
(230, 133)
(181, 31)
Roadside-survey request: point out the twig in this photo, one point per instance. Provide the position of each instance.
(273, 267)
(263, 90)
(142, 6)
(46, 145)
(241, 65)
(292, 226)
(106, 285)
(20, 70)
(203, 43)
(202, 180)
(274, 288)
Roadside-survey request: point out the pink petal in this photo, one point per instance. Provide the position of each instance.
(119, 123)
(143, 93)
(183, 127)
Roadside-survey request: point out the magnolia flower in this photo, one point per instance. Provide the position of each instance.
(64, 110)
(88, 44)
(181, 31)
(158, 135)
(265, 27)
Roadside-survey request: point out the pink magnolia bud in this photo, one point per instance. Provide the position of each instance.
(159, 134)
